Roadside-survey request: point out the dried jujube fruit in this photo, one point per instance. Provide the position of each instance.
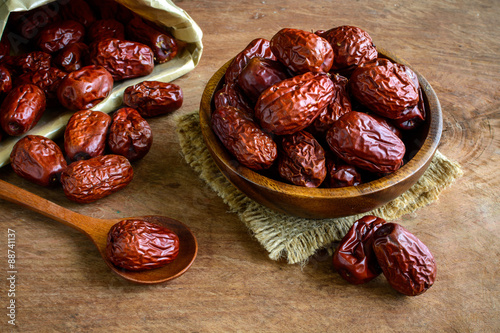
(38, 159)
(129, 134)
(338, 106)
(240, 135)
(153, 98)
(22, 108)
(85, 134)
(302, 51)
(362, 141)
(89, 180)
(85, 88)
(292, 104)
(258, 75)
(258, 47)
(352, 46)
(385, 88)
(302, 160)
(138, 245)
(354, 258)
(406, 262)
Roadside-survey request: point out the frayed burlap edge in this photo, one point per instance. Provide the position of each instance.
(293, 238)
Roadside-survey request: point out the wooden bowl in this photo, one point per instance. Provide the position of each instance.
(319, 203)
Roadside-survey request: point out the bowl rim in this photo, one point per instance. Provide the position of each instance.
(417, 162)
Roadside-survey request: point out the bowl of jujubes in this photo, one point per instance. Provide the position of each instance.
(320, 124)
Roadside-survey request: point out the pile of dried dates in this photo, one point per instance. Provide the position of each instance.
(74, 51)
(372, 246)
(317, 109)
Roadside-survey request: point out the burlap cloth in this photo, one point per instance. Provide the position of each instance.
(293, 238)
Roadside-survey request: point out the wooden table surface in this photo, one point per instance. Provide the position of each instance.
(63, 285)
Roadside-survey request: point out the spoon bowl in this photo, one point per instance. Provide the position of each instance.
(97, 230)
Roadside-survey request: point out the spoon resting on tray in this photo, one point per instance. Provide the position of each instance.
(97, 230)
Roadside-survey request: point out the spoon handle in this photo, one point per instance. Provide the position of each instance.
(45, 207)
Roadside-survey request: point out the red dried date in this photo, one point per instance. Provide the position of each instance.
(58, 35)
(85, 88)
(21, 109)
(230, 95)
(38, 159)
(352, 47)
(354, 258)
(302, 51)
(46, 79)
(339, 105)
(292, 104)
(72, 57)
(362, 141)
(107, 28)
(385, 88)
(258, 47)
(302, 160)
(129, 135)
(341, 174)
(85, 134)
(32, 62)
(138, 245)
(258, 75)
(5, 80)
(123, 59)
(162, 43)
(153, 98)
(90, 180)
(250, 145)
(406, 262)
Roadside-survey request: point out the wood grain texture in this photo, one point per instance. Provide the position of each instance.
(63, 285)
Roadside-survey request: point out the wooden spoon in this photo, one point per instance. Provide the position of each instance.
(97, 230)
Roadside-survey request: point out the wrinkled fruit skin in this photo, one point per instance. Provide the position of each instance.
(71, 58)
(85, 134)
(385, 88)
(106, 28)
(354, 258)
(138, 245)
(161, 43)
(21, 109)
(406, 262)
(90, 180)
(123, 59)
(362, 141)
(46, 79)
(302, 51)
(33, 61)
(129, 135)
(258, 75)
(352, 47)
(153, 98)
(5, 80)
(339, 105)
(58, 35)
(250, 145)
(258, 47)
(302, 160)
(292, 104)
(230, 95)
(85, 88)
(341, 174)
(38, 159)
